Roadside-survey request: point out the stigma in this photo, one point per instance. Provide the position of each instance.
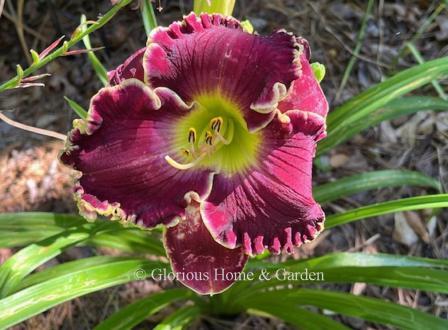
(198, 147)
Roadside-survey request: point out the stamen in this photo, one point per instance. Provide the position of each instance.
(230, 132)
(186, 151)
(186, 166)
(209, 138)
(192, 135)
(213, 140)
(216, 124)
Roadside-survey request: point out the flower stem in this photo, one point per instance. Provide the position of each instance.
(78, 35)
(36, 130)
(224, 7)
(148, 16)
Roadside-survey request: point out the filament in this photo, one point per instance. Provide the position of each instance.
(186, 166)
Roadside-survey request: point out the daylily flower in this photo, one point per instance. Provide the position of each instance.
(211, 131)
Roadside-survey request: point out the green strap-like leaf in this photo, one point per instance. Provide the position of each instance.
(65, 268)
(19, 229)
(396, 108)
(29, 258)
(363, 105)
(39, 298)
(371, 180)
(404, 106)
(137, 312)
(179, 319)
(359, 259)
(295, 315)
(381, 269)
(370, 309)
(130, 240)
(434, 280)
(381, 94)
(404, 204)
(45, 219)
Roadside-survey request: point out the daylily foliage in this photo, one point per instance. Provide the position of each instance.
(211, 131)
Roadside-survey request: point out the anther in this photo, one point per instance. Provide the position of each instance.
(186, 152)
(229, 133)
(216, 124)
(191, 135)
(209, 138)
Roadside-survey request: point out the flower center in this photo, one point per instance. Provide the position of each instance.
(209, 141)
(213, 135)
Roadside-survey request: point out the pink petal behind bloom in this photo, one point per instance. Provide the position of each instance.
(202, 264)
(305, 93)
(120, 152)
(131, 68)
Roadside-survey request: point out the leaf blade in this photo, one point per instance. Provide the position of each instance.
(38, 298)
(65, 268)
(78, 109)
(371, 180)
(135, 313)
(394, 109)
(29, 258)
(19, 229)
(370, 309)
(404, 204)
(179, 319)
(382, 93)
(297, 316)
(361, 106)
(343, 267)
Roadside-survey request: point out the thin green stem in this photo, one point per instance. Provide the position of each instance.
(359, 41)
(2, 3)
(418, 57)
(148, 16)
(100, 70)
(224, 7)
(420, 31)
(60, 51)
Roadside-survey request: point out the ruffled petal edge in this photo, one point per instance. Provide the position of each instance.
(89, 205)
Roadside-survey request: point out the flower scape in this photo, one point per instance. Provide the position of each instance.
(211, 131)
